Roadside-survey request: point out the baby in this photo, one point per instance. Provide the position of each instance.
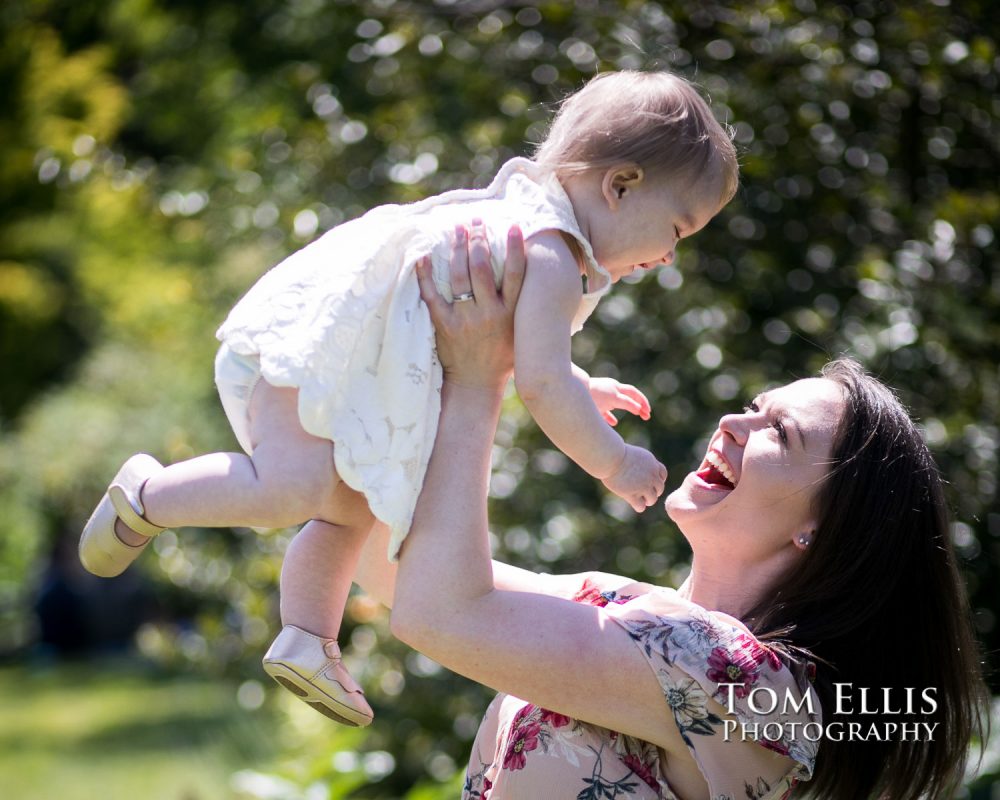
(328, 374)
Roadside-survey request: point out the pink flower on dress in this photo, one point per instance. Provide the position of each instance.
(773, 661)
(591, 595)
(776, 745)
(644, 771)
(522, 713)
(554, 719)
(739, 665)
(487, 786)
(524, 739)
(759, 652)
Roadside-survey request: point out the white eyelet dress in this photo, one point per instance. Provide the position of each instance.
(342, 321)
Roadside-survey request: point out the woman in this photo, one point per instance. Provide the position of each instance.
(823, 590)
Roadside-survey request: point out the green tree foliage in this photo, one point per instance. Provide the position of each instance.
(156, 157)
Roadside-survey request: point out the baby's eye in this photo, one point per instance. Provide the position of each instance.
(750, 407)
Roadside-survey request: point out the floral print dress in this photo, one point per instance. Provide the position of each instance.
(523, 751)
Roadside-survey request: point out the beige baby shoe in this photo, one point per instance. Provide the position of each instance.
(310, 667)
(101, 551)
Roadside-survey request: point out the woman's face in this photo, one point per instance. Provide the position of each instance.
(753, 494)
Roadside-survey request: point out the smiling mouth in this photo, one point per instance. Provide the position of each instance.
(715, 472)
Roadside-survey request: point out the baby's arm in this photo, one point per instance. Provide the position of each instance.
(554, 391)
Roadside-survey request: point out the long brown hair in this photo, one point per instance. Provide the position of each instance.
(877, 602)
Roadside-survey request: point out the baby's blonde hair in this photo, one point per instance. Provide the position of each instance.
(653, 119)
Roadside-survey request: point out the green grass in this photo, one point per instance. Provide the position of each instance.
(114, 731)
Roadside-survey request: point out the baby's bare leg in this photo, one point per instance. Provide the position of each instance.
(320, 563)
(375, 574)
(315, 581)
(290, 477)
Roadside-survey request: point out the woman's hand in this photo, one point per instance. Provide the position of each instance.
(475, 336)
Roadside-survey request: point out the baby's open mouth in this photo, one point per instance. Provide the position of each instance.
(716, 472)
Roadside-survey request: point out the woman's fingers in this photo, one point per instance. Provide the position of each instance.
(458, 267)
(480, 263)
(475, 332)
(514, 266)
(436, 304)
(471, 269)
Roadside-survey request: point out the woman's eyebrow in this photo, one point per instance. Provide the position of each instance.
(798, 430)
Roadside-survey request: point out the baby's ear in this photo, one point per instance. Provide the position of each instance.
(619, 180)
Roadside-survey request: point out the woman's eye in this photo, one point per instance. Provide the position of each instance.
(780, 428)
(753, 408)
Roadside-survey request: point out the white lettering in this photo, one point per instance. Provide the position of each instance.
(752, 699)
(887, 701)
(841, 697)
(817, 728)
(805, 700)
(872, 733)
(730, 696)
(910, 728)
(928, 697)
(834, 731)
(772, 726)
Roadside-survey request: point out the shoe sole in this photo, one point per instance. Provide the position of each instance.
(307, 692)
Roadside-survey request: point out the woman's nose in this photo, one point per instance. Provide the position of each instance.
(736, 426)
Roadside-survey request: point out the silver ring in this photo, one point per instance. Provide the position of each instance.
(461, 298)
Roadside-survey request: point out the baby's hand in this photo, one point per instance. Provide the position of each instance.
(610, 395)
(639, 480)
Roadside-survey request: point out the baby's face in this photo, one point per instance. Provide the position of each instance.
(641, 230)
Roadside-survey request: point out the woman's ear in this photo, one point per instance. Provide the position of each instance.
(618, 181)
(804, 539)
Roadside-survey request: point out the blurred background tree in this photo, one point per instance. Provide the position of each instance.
(156, 157)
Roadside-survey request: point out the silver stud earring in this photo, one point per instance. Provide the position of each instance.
(803, 540)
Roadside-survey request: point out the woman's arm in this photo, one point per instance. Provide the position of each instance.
(376, 575)
(561, 655)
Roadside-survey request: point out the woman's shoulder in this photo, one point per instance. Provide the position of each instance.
(703, 657)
